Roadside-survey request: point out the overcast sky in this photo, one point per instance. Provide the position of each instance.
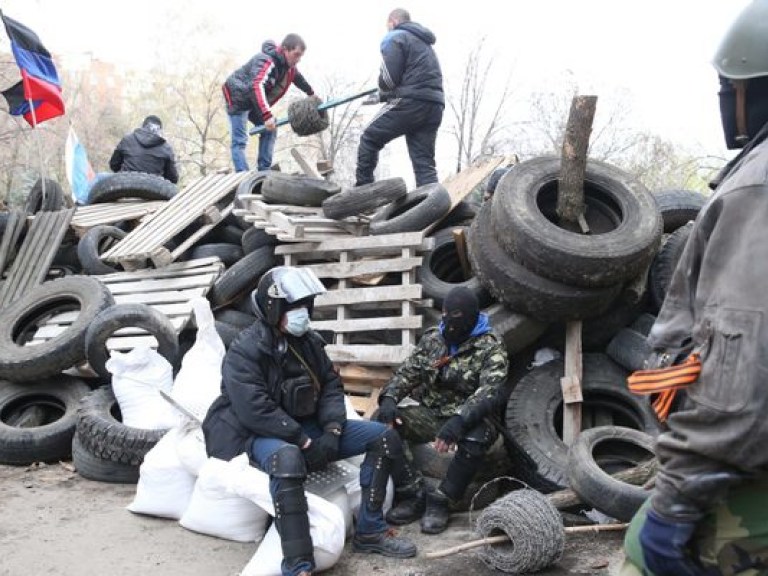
(659, 51)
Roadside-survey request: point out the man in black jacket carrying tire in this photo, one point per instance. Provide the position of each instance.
(146, 150)
(411, 84)
(283, 403)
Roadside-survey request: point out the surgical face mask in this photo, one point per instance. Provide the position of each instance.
(297, 321)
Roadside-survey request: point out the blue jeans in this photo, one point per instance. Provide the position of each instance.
(355, 438)
(238, 125)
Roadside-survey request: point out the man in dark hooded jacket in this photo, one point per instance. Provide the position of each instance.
(252, 90)
(146, 150)
(411, 84)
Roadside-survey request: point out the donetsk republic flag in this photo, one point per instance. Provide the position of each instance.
(39, 80)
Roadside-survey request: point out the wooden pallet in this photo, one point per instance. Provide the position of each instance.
(87, 217)
(15, 223)
(291, 223)
(363, 384)
(389, 308)
(35, 255)
(199, 199)
(168, 290)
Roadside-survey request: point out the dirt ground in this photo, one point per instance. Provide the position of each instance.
(54, 522)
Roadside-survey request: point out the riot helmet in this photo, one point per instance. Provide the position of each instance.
(283, 287)
(741, 62)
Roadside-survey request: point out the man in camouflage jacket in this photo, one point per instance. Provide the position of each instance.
(456, 374)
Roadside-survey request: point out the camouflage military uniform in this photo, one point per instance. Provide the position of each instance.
(732, 540)
(468, 383)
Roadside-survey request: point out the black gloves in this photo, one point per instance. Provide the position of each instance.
(329, 444)
(665, 544)
(315, 456)
(452, 430)
(387, 410)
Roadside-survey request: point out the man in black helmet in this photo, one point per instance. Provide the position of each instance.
(146, 150)
(456, 374)
(282, 402)
(708, 512)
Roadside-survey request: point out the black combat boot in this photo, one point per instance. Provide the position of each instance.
(385, 543)
(410, 503)
(435, 519)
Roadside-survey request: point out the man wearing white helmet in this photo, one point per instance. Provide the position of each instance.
(282, 403)
(708, 513)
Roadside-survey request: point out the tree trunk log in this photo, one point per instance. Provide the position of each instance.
(570, 192)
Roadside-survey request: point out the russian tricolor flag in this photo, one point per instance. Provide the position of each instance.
(39, 81)
(79, 171)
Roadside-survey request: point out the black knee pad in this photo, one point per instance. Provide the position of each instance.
(288, 462)
(389, 445)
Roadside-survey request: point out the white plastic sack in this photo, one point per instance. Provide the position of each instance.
(198, 382)
(190, 447)
(137, 378)
(217, 510)
(165, 486)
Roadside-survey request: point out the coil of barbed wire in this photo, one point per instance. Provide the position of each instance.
(533, 526)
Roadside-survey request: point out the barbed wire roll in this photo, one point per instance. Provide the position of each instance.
(533, 526)
(305, 118)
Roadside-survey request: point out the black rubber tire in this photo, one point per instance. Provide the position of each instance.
(227, 253)
(599, 452)
(120, 316)
(131, 185)
(50, 438)
(629, 349)
(102, 433)
(17, 322)
(678, 207)
(251, 185)
(92, 467)
(297, 190)
(461, 215)
(418, 209)
(234, 317)
(227, 332)
(97, 241)
(305, 118)
(665, 262)
(534, 412)
(254, 238)
(523, 291)
(524, 214)
(224, 234)
(364, 199)
(436, 283)
(242, 277)
(54, 197)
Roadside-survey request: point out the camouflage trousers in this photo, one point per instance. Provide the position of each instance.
(731, 541)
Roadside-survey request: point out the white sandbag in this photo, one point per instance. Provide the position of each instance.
(326, 523)
(165, 486)
(190, 447)
(138, 377)
(217, 510)
(198, 382)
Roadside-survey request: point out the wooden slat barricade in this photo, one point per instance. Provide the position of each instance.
(355, 307)
(197, 200)
(35, 255)
(87, 217)
(291, 223)
(168, 290)
(14, 224)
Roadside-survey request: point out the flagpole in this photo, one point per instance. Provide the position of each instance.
(39, 148)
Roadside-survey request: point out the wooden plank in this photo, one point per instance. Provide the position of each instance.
(461, 184)
(162, 284)
(177, 269)
(48, 331)
(571, 383)
(351, 269)
(157, 299)
(195, 236)
(172, 309)
(13, 227)
(369, 324)
(357, 245)
(306, 167)
(371, 355)
(110, 212)
(379, 294)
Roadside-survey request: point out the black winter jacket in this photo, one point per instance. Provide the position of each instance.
(144, 151)
(262, 81)
(409, 67)
(249, 403)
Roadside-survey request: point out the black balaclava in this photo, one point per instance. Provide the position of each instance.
(756, 109)
(460, 312)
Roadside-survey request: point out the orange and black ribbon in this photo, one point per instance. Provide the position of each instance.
(665, 382)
